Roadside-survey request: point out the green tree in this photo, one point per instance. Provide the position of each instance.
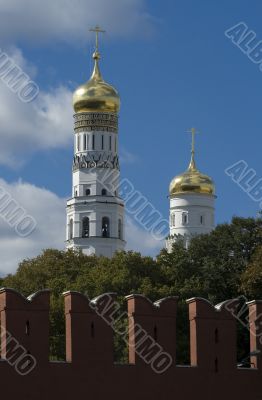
(220, 265)
(251, 279)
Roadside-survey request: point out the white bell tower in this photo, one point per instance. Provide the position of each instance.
(192, 204)
(95, 213)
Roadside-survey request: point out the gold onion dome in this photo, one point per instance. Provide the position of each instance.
(96, 95)
(192, 180)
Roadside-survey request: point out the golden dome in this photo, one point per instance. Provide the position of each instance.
(192, 181)
(96, 95)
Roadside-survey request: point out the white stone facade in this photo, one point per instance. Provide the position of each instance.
(191, 214)
(95, 213)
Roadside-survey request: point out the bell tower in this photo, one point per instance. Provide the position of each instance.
(95, 212)
(192, 203)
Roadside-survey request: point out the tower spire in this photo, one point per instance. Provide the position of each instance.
(96, 56)
(192, 199)
(192, 164)
(95, 212)
(97, 30)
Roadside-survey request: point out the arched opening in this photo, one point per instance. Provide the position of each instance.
(85, 227)
(155, 333)
(27, 328)
(105, 227)
(184, 218)
(71, 229)
(103, 192)
(119, 229)
(88, 192)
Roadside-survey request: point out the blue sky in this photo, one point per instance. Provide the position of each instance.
(174, 68)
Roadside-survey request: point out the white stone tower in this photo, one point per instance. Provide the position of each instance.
(95, 213)
(192, 203)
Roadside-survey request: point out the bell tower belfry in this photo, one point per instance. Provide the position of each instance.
(95, 214)
(192, 203)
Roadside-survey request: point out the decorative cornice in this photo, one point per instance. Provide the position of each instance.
(96, 159)
(86, 122)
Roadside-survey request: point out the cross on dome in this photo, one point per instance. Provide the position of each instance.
(96, 94)
(192, 165)
(97, 30)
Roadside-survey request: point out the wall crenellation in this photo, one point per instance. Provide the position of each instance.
(152, 347)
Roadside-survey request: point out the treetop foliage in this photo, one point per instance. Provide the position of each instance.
(221, 265)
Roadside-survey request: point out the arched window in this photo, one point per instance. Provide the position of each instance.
(202, 220)
(105, 227)
(71, 229)
(184, 218)
(103, 192)
(110, 142)
(85, 227)
(93, 142)
(102, 142)
(119, 229)
(88, 192)
(85, 142)
(173, 220)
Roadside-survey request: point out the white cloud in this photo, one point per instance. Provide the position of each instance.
(49, 212)
(46, 122)
(69, 20)
(140, 240)
(127, 158)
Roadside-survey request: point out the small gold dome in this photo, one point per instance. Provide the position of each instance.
(96, 95)
(192, 181)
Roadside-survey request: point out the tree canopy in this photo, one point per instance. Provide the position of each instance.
(223, 264)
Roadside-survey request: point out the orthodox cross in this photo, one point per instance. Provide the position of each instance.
(97, 30)
(193, 133)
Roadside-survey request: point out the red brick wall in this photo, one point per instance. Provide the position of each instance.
(89, 371)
